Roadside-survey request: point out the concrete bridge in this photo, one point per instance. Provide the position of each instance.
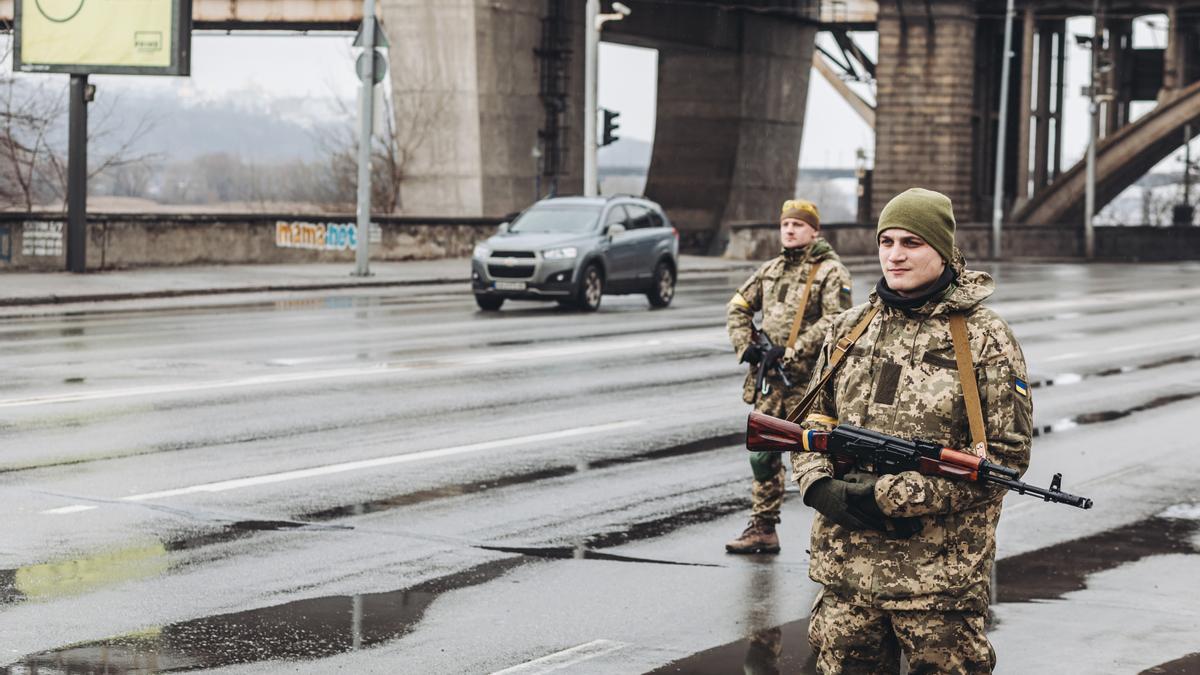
(479, 84)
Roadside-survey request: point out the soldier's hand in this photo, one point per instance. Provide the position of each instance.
(896, 528)
(773, 355)
(752, 354)
(841, 501)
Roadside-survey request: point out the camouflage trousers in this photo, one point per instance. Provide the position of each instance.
(766, 495)
(852, 639)
(770, 478)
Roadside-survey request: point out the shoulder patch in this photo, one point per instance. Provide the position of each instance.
(1020, 387)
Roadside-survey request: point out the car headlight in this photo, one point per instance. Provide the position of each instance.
(564, 253)
(481, 252)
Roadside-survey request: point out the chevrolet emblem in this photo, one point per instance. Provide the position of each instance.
(509, 262)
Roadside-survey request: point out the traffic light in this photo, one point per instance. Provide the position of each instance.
(610, 127)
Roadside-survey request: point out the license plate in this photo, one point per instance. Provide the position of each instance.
(510, 285)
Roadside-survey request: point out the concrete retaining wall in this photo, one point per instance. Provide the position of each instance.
(759, 241)
(36, 242)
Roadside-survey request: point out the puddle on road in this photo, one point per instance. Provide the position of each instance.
(10, 593)
(305, 629)
(650, 529)
(1110, 415)
(768, 652)
(1075, 378)
(322, 627)
(1188, 665)
(584, 553)
(1051, 572)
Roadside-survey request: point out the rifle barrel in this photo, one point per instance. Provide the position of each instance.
(1048, 495)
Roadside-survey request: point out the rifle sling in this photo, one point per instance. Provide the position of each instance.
(966, 377)
(835, 360)
(796, 322)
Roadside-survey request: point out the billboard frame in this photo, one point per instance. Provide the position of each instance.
(181, 51)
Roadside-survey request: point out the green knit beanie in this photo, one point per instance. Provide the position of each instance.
(925, 213)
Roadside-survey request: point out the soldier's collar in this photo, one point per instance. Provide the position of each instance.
(940, 289)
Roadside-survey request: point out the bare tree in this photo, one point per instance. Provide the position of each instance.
(27, 119)
(33, 164)
(408, 121)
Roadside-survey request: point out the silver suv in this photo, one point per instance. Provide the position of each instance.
(576, 249)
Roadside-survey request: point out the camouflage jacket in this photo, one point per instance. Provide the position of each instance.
(901, 378)
(775, 289)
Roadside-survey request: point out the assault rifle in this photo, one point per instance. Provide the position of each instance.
(853, 448)
(762, 343)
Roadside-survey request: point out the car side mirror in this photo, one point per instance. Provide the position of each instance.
(503, 227)
(615, 229)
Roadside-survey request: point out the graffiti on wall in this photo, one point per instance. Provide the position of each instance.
(41, 238)
(322, 236)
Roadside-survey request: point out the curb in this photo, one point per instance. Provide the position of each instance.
(180, 293)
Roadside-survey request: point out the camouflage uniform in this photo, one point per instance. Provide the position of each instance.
(931, 590)
(776, 289)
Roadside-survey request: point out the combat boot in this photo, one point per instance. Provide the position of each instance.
(758, 537)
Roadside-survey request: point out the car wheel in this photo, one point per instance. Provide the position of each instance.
(663, 290)
(489, 303)
(591, 288)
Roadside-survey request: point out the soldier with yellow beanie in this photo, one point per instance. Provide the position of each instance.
(798, 293)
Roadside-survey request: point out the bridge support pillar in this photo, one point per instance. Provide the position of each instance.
(729, 122)
(925, 126)
(465, 83)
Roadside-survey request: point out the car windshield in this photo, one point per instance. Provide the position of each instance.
(557, 219)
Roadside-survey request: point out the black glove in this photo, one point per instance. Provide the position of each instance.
(773, 355)
(845, 503)
(752, 354)
(896, 528)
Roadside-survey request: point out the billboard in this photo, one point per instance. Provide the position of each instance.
(125, 37)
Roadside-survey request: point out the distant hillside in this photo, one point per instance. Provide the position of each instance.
(624, 156)
(272, 130)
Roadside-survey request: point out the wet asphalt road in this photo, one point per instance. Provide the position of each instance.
(389, 481)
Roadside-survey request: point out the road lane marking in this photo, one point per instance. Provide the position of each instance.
(382, 368)
(63, 510)
(237, 483)
(564, 659)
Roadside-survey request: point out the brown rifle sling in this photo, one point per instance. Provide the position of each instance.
(835, 360)
(796, 322)
(966, 377)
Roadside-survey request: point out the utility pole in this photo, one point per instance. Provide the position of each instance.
(594, 22)
(1089, 234)
(591, 67)
(998, 191)
(366, 120)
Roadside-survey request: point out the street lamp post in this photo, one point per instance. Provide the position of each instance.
(1002, 122)
(1089, 200)
(366, 120)
(595, 22)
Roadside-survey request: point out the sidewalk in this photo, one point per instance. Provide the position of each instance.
(51, 288)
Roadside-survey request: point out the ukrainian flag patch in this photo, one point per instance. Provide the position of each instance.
(846, 290)
(1020, 387)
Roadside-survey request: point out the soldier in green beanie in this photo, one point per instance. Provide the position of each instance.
(798, 294)
(905, 559)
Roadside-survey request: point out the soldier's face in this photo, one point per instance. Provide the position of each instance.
(910, 265)
(795, 233)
